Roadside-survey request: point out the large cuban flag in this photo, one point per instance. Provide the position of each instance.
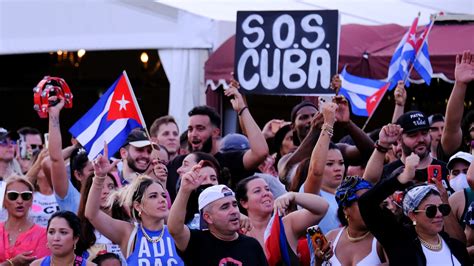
(110, 120)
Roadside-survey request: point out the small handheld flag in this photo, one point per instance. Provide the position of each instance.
(110, 120)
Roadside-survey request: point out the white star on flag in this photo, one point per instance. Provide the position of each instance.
(413, 37)
(374, 99)
(123, 103)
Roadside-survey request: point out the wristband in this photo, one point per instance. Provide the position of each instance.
(381, 148)
(242, 110)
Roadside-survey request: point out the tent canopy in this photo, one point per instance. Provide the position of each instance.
(366, 12)
(367, 50)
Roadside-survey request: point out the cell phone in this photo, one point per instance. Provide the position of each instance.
(22, 148)
(434, 171)
(317, 237)
(398, 197)
(46, 139)
(324, 99)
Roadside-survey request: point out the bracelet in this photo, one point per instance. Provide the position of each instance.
(242, 110)
(11, 262)
(98, 180)
(328, 129)
(381, 148)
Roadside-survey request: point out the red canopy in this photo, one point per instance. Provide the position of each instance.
(367, 51)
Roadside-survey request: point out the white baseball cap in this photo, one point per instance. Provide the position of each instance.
(211, 194)
(460, 155)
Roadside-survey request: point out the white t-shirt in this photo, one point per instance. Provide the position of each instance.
(442, 258)
(43, 207)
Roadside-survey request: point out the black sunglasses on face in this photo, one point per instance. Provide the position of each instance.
(25, 195)
(431, 210)
(36, 146)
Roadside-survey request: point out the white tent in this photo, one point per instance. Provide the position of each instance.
(183, 31)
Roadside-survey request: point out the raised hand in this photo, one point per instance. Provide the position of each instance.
(317, 121)
(236, 98)
(192, 179)
(102, 164)
(329, 113)
(343, 114)
(464, 70)
(56, 109)
(389, 134)
(271, 127)
(159, 170)
(411, 163)
(336, 83)
(400, 94)
(283, 202)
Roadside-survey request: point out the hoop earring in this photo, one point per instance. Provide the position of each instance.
(139, 214)
(347, 217)
(74, 246)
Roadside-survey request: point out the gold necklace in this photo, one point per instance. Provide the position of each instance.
(435, 247)
(356, 239)
(72, 262)
(151, 239)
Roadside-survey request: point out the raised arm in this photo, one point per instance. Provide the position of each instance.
(117, 231)
(304, 149)
(258, 145)
(32, 173)
(314, 209)
(389, 134)
(320, 150)
(363, 143)
(400, 95)
(463, 74)
(180, 232)
(58, 167)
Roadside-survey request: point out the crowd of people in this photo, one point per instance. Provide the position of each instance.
(287, 194)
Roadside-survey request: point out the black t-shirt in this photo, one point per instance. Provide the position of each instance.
(233, 161)
(421, 175)
(205, 249)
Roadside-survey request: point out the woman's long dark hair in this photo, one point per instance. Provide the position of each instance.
(87, 238)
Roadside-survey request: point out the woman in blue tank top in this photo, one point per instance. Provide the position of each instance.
(63, 231)
(147, 242)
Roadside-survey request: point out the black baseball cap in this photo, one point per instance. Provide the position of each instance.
(138, 138)
(8, 134)
(413, 121)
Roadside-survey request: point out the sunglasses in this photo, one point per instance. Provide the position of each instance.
(25, 195)
(431, 210)
(6, 142)
(36, 146)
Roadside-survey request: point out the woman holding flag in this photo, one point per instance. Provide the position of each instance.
(254, 195)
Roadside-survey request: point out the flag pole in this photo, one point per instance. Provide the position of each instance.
(376, 106)
(419, 49)
(138, 111)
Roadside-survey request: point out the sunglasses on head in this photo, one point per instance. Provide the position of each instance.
(431, 210)
(25, 195)
(6, 142)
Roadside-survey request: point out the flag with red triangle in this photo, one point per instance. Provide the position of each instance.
(373, 100)
(110, 120)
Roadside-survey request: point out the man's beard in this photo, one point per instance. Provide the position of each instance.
(131, 165)
(206, 147)
(407, 151)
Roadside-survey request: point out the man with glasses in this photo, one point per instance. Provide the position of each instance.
(8, 164)
(30, 145)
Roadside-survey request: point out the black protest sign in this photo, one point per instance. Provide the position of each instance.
(286, 52)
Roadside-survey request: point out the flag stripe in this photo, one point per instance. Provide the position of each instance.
(90, 132)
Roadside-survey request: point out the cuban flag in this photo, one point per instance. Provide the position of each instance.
(357, 90)
(110, 120)
(403, 56)
(422, 62)
(276, 248)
